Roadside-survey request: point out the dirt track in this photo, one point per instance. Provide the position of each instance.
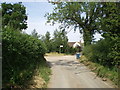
(67, 72)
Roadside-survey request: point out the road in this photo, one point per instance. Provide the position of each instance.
(67, 72)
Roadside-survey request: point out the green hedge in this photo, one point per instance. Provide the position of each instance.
(103, 52)
(22, 54)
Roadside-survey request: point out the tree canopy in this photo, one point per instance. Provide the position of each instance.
(82, 15)
(60, 38)
(92, 17)
(110, 20)
(35, 34)
(47, 41)
(14, 15)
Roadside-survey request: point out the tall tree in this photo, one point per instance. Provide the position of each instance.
(47, 41)
(0, 18)
(82, 15)
(0, 26)
(60, 38)
(35, 34)
(107, 51)
(110, 20)
(111, 27)
(14, 15)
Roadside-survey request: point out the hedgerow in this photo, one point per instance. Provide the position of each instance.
(22, 54)
(104, 52)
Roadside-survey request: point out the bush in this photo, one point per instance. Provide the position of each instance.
(22, 54)
(115, 51)
(70, 50)
(101, 52)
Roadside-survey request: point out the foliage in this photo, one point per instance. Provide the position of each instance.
(101, 53)
(14, 15)
(100, 70)
(0, 17)
(35, 34)
(115, 51)
(60, 38)
(107, 51)
(44, 71)
(53, 44)
(110, 22)
(47, 41)
(110, 25)
(82, 15)
(71, 50)
(22, 54)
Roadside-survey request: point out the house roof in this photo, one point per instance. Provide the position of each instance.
(77, 44)
(72, 44)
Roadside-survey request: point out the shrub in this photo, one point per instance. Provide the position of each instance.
(22, 54)
(101, 52)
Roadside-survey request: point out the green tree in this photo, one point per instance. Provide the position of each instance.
(35, 34)
(14, 15)
(0, 18)
(82, 15)
(0, 25)
(110, 22)
(110, 25)
(107, 51)
(47, 41)
(60, 38)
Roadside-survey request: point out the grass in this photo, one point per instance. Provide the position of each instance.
(45, 72)
(101, 71)
(41, 76)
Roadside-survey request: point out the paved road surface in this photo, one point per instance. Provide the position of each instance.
(67, 72)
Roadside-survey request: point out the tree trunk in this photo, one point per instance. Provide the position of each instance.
(87, 37)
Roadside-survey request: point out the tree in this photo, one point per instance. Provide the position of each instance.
(82, 15)
(60, 38)
(0, 18)
(107, 51)
(14, 15)
(110, 25)
(110, 22)
(47, 41)
(0, 25)
(35, 34)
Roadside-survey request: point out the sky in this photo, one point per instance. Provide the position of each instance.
(36, 20)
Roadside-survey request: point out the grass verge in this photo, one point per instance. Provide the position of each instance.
(102, 71)
(45, 72)
(41, 76)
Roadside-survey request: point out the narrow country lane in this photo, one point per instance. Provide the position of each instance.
(67, 72)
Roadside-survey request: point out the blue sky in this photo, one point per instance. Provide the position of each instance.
(36, 19)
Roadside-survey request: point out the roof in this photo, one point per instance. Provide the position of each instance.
(77, 44)
(73, 44)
